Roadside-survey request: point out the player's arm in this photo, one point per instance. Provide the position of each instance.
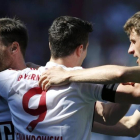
(127, 126)
(124, 94)
(101, 75)
(127, 94)
(120, 93)
(107, 113)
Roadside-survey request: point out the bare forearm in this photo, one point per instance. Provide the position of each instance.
(128, 94)
(127, 126)
(102, 75)
(106, 74)
(116, 130)
(122, 128)
(110, 112)
(104, 112)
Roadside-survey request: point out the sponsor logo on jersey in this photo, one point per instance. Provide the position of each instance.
(29, 77)
(6, 131)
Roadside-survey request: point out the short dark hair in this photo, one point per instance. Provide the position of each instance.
(66, 34)
(12, 29)
(133, 23)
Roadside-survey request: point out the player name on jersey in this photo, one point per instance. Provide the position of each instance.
(6, 131)
(20, 136)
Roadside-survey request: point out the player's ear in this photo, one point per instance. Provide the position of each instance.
(14, 48)
(79, 50)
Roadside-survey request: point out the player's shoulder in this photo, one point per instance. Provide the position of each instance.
(14, 72)
(8, 72)
(32, 71)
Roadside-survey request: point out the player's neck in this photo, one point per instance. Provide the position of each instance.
(67, 61)
(18, 64)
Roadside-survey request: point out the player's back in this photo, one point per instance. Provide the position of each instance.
(63, 113)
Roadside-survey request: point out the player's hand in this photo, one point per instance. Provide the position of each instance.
(32, 65)
(54, 76)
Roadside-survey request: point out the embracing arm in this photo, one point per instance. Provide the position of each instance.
(102, 75)
(128, 94)
(107, 113)
(106, 74)
(127, 126)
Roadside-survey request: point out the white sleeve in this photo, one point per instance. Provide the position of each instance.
(98, 91)
(90, 92)
(7, 79)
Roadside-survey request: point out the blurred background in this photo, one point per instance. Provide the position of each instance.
(108, 43)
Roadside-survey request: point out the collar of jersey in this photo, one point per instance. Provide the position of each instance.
(51, 64)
